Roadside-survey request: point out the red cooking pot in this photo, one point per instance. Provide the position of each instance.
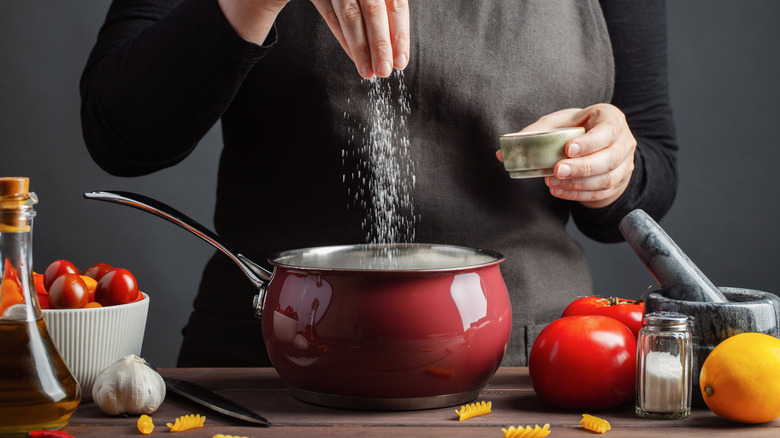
(397, 326)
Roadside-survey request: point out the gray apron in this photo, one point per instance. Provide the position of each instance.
(478, 69)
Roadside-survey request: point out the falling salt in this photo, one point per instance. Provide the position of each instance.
(385, 164)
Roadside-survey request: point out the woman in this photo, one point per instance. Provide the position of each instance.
(293, 110)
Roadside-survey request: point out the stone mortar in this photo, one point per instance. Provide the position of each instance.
(746, 311)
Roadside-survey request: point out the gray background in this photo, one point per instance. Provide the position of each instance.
(725, 89)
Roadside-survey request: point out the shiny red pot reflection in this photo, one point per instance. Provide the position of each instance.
(387, 334)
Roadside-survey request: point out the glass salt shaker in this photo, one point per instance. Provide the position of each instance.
(663, 367)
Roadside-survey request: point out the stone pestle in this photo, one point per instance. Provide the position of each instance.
(678, 276)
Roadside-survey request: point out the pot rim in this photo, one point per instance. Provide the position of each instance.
(392, 257)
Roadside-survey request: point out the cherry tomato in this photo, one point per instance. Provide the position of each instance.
(57, 268)
(584, 362)
(117, 286)
(629, 312)
(97, 271)
(68, 292)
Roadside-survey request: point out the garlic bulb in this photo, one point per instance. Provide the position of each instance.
(128, 386)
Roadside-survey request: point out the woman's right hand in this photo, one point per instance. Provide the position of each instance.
(374, 33)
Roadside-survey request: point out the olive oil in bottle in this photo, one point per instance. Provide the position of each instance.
(37, 391)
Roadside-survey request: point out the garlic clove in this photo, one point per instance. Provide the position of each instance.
(129, 386)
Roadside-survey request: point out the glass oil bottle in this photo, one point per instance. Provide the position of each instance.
(37, 391)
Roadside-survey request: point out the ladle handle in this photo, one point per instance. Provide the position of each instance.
(256, 273)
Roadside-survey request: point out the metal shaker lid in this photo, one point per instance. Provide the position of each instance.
(666, 321)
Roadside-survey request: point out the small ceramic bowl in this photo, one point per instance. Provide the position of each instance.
(91, 339)
(534, 154)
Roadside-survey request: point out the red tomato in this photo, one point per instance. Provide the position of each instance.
(98, 271)
(117, 286)
(629, 312)
(68, 292)
(584, 362)
(57, 268)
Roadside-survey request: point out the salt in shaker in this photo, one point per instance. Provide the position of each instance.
(663, 367)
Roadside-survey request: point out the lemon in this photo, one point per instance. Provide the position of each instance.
(740, 379)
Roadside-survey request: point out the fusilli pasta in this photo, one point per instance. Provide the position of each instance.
(187, 422)
(473, 410)
(527, 432)
(594, 424)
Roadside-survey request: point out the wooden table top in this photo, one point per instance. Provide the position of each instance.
(514, 404)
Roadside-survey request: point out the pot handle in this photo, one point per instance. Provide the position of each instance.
(256, 273)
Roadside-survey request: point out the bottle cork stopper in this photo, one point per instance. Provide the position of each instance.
(14, 193)
(14, 187)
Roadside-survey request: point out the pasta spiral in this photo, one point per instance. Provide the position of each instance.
(187, 422)
(473, 410)
(594, 424)
(527, 432)
(145, 424)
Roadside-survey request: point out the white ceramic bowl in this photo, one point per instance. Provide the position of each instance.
(91, 339)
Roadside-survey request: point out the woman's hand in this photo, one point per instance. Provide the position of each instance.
(374, 33)
(600, 162)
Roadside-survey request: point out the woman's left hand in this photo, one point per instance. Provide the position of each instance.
(599, 163)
